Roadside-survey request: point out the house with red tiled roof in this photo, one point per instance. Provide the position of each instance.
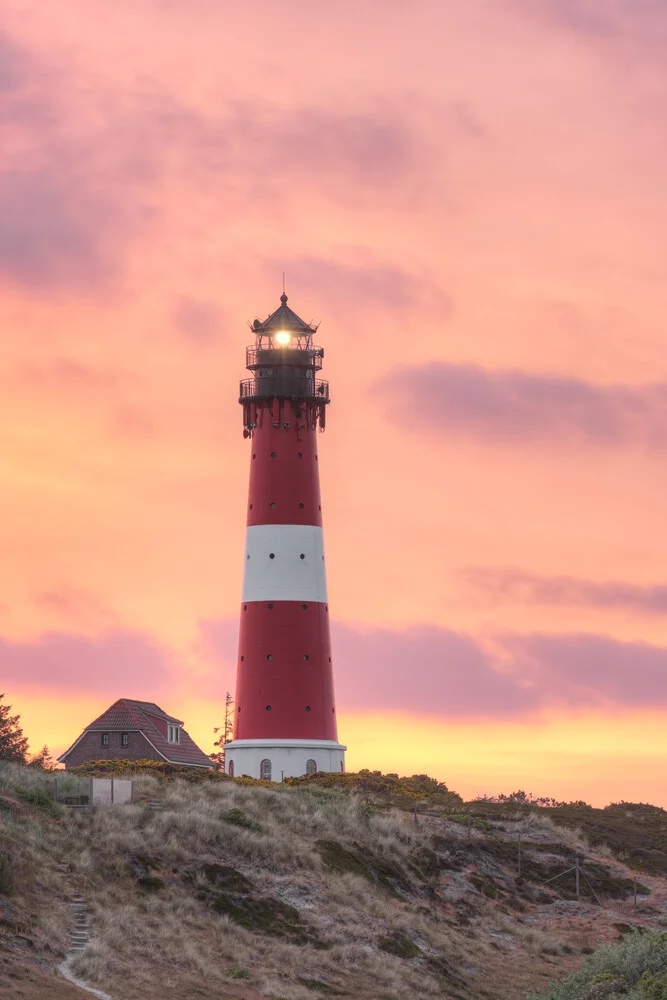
(135, 730)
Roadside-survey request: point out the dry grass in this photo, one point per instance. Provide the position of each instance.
(461, 940)
(538, 826)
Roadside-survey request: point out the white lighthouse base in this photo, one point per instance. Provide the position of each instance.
(287, 758)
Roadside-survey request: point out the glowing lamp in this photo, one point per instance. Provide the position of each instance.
(283, 337)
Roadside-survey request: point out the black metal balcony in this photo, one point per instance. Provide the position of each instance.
(277, 386)
(274, 357)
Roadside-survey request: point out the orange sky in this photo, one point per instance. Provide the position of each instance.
(471, 199)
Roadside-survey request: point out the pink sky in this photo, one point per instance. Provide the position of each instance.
(471, 199)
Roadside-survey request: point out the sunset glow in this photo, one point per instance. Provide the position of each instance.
(470, 198)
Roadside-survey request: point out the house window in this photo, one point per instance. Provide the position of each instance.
(230, 769)
(265, 770)
(124, 739)
(105, 739)
(311, 766)
(174, 734)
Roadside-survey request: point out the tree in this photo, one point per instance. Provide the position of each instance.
(42, 761)
(219, 757)
(225, 734)
(13, 744)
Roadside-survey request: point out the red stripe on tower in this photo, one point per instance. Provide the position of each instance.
(285, 715)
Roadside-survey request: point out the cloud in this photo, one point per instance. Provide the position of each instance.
(15, 65)
(62, 211)
(68, 376)
(77, 186)
(255, 155)
(74, 606)
(590, 671)
(630, 29)
(199, 321)
(356, 280)
(431, 671)
(120, 663)
(589, 17)
(53, 224)
(520, 407)
(424, 670)
(434, 671)
(514, 585)
(343, 155)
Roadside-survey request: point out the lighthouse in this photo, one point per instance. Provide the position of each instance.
(284, 709)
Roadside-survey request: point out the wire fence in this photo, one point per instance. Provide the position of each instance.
(577, 868)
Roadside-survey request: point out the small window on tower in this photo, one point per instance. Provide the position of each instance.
(265, 770)
(230, 769)
(311, 766)
(341, 767)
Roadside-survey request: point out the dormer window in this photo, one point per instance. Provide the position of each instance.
(174, 734)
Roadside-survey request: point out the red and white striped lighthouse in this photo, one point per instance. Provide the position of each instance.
(285, 713)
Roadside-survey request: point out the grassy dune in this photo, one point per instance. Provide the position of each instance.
(225, 889)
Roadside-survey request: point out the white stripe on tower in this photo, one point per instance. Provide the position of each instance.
(284, 562)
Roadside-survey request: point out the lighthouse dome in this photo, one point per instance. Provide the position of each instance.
(283, 318)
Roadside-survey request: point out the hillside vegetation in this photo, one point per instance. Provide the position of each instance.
(365, 886)
(635, 969)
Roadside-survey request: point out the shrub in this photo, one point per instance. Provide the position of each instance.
(237, 817)
(36, 797)
(635, 807)
(653, 987)
(159, 768)
(238, 973)
(411, 790)
(638, 964)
